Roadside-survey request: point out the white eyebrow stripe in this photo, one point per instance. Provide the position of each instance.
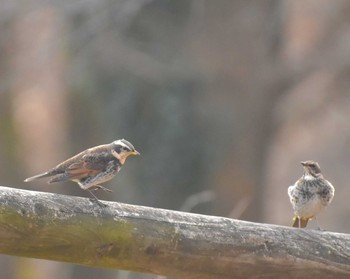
(119, 142)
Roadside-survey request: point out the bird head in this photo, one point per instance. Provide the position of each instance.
(122, 149)
(311, 168)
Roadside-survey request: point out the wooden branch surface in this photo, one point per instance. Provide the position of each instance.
(183, 245)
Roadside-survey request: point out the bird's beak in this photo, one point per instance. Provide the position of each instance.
(135, 153)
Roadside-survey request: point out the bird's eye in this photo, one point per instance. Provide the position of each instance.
(118, 148)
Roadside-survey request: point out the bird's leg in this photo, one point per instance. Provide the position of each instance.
(96, 187)
(95, 199)
(299, 222)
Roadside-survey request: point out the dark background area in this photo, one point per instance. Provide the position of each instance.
(222, 98)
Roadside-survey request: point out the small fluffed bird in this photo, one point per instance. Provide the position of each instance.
(92, 166)
(310, 194)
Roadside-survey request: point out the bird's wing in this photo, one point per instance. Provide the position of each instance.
(89, 164)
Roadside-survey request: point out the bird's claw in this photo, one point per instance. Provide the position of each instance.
(98, 202)
(97, 187)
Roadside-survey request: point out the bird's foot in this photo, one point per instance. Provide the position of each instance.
(98, 202)
(97, 187)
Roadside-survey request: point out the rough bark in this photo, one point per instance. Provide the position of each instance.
(77, 230)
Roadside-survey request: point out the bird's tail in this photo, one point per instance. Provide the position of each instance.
(41, 175)
(299, 222)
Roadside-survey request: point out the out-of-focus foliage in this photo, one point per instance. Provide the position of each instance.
(222, 98)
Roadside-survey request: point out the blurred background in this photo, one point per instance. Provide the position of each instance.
(222, 98)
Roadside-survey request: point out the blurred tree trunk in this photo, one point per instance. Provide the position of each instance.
(39, 103)
(312, 118)
(242, 83)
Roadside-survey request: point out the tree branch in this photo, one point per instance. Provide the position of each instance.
(143, 239)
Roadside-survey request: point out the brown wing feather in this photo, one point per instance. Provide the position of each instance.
(89, 164)
(84, 156)
(82, 169)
